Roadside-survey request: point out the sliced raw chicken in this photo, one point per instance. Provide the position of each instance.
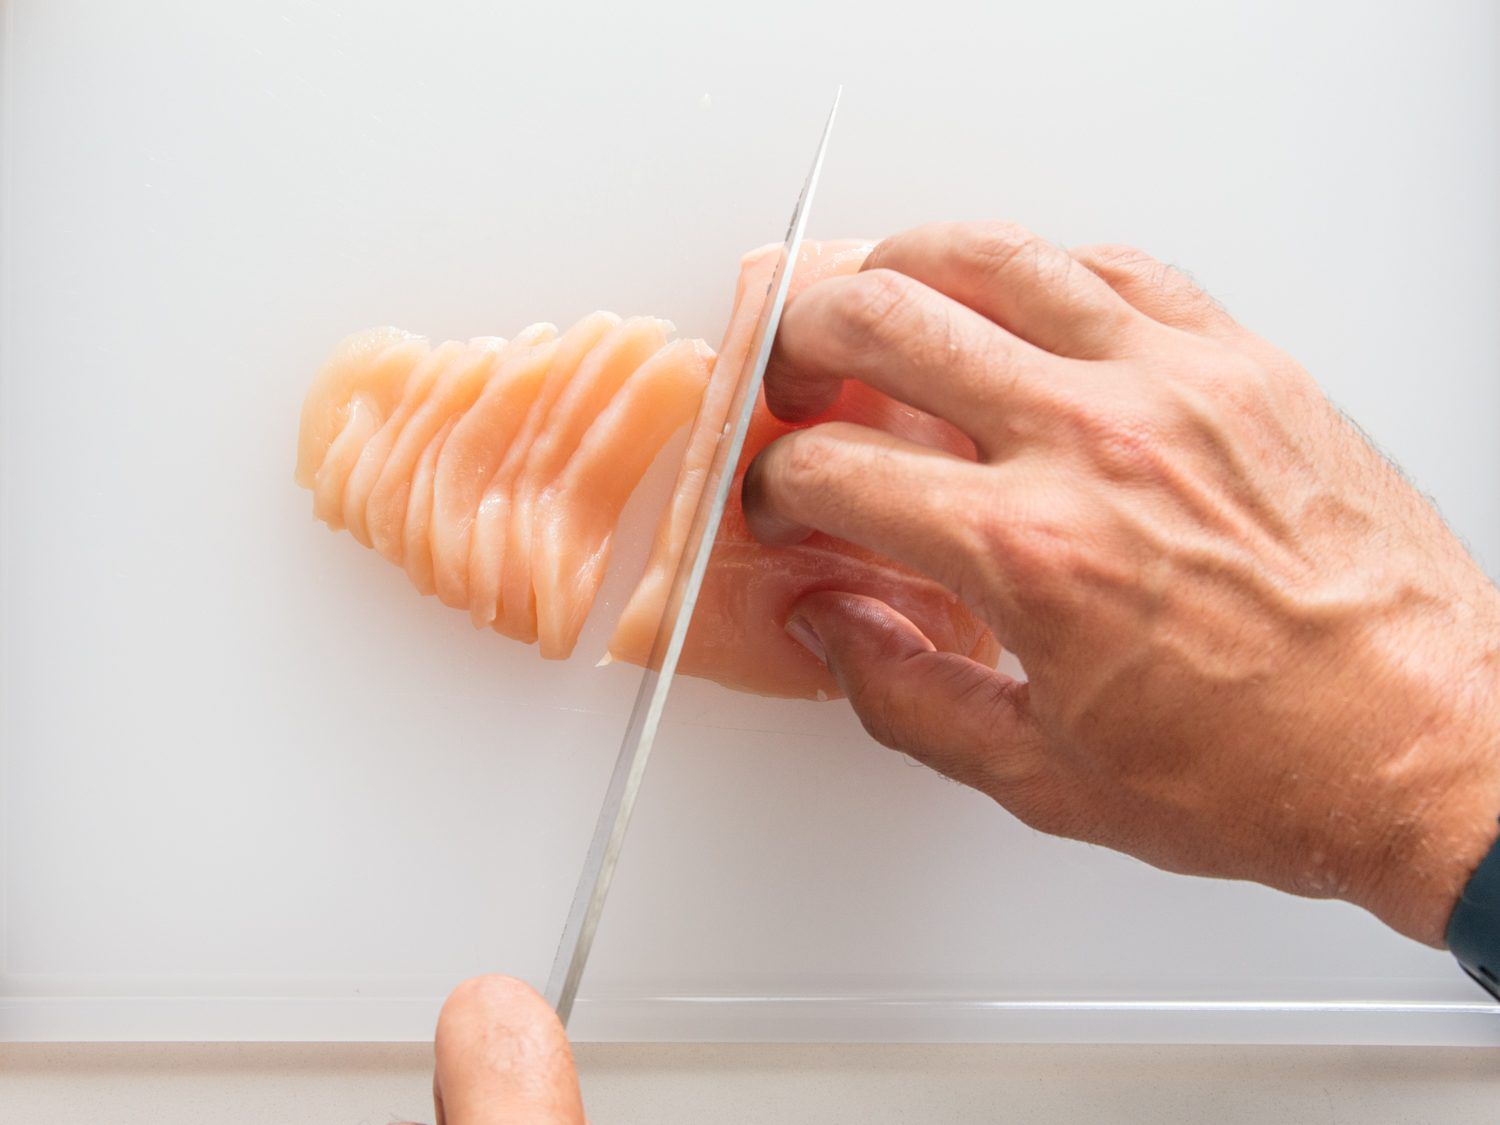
(366, 472)
(575, 516)
(453, 392)
(496, 474)
(474, 451)
(592, 387)
(355, 371)
(737, 635)
(487, 548)
(349, 402)
(457, 462)
(416, 534)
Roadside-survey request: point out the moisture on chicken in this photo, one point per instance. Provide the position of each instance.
(495, 473)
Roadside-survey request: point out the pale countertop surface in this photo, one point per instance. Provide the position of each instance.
(368, 1084)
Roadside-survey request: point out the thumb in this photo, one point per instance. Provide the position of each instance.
(502, 1056)
(958, 716)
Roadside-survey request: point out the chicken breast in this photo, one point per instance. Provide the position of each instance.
(590, 390)
(371, 462)
(496, 474)
(574, 517)
(416, 534)
(355, 373)
(349, 401)
(491, 523)
(452, 393)
(475, 448)
(737, 636)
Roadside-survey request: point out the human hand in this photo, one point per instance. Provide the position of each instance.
(1253, 649)
(503, 1058)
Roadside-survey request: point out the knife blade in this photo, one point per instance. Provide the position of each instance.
(651, 697)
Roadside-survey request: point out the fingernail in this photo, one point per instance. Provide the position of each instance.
(800, 631)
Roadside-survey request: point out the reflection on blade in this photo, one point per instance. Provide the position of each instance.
(650, 700)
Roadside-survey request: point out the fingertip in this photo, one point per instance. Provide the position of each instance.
(801, 630)
(502, 1050)
(857, 625)
(496, 1000)
(794, 396)
(795, 403)
(765, 525)
(486, 1012)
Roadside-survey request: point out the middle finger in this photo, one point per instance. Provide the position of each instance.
(910, 342)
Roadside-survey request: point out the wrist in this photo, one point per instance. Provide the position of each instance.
(1439, 816)
(1417, 896)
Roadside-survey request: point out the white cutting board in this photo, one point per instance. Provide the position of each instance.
(253, 787)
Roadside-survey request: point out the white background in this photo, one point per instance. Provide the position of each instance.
(243, 762)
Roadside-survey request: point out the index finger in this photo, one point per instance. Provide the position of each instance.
(1011, 276)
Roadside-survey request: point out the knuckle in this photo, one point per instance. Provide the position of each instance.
(1241, 383)
(879, 714)
(1119, 257)
(1273, 390)
(1055, 554)
(868, 304)
(997, 244)
(887, 715)
(1247, 375)
(1039, 553)
(1030, 546)
(1128, 448)
(799, 461)
(1123, 437)
(1175, 295)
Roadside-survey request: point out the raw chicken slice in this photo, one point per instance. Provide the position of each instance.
(474, 450)
(343, 454)
(737, 635)
(455, 390)
(574, 518)
(636, 629)
(351, 398)
(492, 517)
(588, 392)
(416, 553)
(358, 368)
(366, 472)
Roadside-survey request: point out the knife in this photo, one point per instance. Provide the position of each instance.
(651, 697)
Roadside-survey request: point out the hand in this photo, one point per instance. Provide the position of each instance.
(1253, 649)
(503, 1059)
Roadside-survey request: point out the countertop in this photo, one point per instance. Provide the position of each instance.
(368, 1084)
